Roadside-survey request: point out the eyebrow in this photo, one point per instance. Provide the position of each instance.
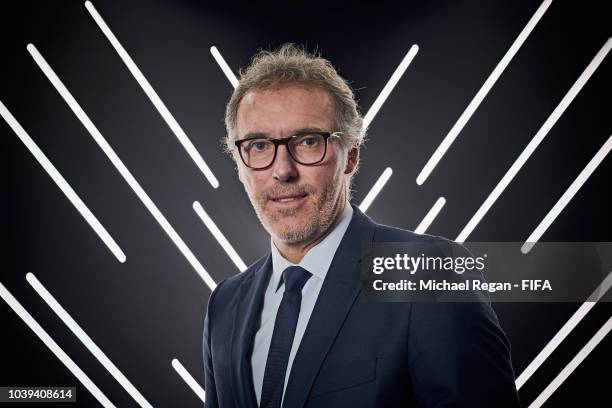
(257, 135)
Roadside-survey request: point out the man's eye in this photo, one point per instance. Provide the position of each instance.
(309, 141)
(258, 145)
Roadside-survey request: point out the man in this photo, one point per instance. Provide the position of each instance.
(290, 331)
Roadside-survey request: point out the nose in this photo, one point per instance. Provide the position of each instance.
(284, 168)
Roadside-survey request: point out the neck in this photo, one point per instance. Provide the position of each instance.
(294, 252)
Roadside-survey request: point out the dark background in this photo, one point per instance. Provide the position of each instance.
(146, 312)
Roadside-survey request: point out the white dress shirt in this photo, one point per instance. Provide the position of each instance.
(316, 261)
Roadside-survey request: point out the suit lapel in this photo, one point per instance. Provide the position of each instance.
(339, 291)
(246, 317)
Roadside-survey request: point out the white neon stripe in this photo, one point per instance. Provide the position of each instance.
(191, 382)
(154, 97)
(53, 346)
(571, 366)
(431, 215)
(564, 331)
(384, 94)
(380, 183)
(85, 339)
(481, 94)
(212, 227)
(112, 156)
(224, 67)
(567, 196)
(537, 139)
(62, 184)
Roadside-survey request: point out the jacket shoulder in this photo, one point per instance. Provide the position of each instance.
(228, 287)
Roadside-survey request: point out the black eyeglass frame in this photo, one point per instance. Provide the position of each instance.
(285, 141)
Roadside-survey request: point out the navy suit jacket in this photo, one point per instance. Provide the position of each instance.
(354, 354)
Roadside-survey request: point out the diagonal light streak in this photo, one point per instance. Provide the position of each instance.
(224, 67)
(153, 97)
(384, 94)
(567, 196)
(537, 139)
(54, 347)
(212, 227)
(573, 364)
(61, 182)
(375, 190)
(431, 215)
(191, 382)
(116, 161)
(481, 94)
(564, 331)
(86, 340)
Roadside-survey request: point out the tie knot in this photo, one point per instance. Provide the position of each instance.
(295, 277)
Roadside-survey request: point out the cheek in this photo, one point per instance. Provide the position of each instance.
(331, 167)
(254, 181)
(335, 170)
(321, 176)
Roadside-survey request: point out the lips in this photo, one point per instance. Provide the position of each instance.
(288, 198)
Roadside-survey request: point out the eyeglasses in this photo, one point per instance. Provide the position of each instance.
(305, 148)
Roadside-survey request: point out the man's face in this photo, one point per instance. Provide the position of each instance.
(295, 203)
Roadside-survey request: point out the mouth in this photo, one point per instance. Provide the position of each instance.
(289, 200)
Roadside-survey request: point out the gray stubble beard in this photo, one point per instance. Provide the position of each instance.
(326, 204)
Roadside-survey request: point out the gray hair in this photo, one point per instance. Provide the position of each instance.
(292, 64)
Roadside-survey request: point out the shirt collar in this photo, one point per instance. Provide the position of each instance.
(318, 258)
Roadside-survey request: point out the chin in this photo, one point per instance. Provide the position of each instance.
(291, 234)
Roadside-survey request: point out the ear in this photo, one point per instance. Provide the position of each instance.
(352, 159)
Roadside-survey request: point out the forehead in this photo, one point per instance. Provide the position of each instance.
(286, 108)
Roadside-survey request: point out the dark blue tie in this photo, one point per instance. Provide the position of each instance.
(294, 278)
